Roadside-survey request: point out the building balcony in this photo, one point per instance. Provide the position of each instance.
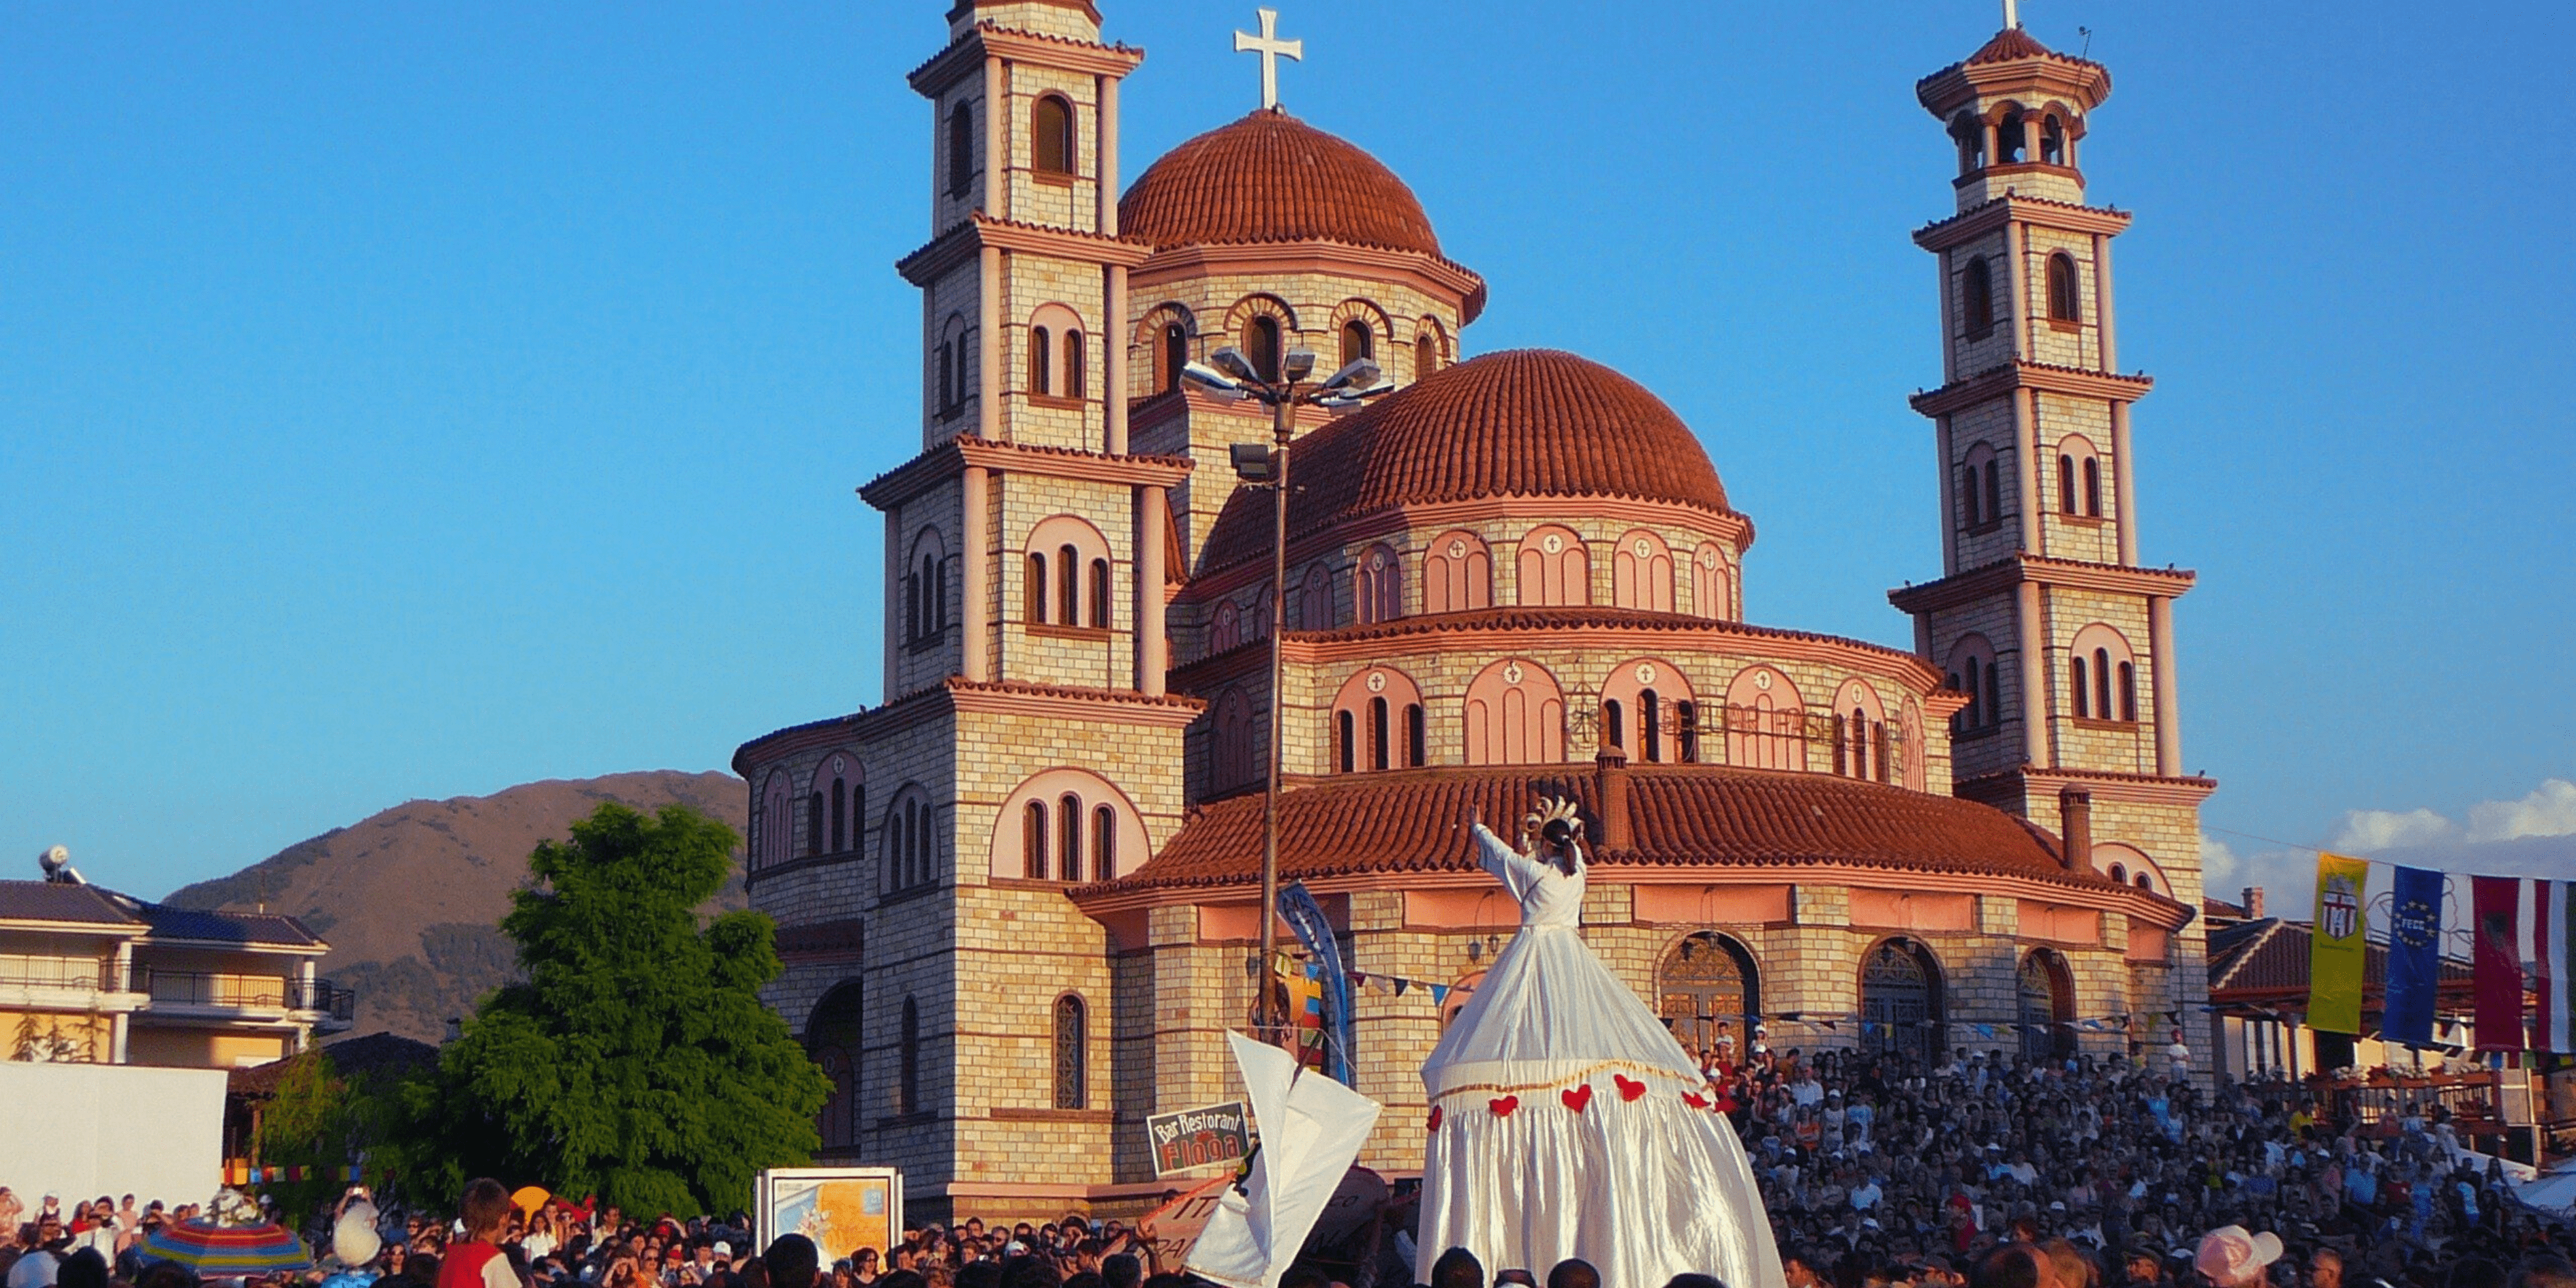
(62, 984)
(206, 995)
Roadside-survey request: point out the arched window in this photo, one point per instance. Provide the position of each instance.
(1311, 608)
(1068, 581)
(925, 605)
(2093, 487)
(1041, 363)
(1614, 724)
(1104, 843)
(1972, 673)
(908, 1061)
(1364, 713)
(2102, 682)
(1033, 841)
(2125, 685)
(1175, 355)
(1426, 356)
(1346, 737)
(840, 816)
(832, 1040)
(2120, 874)
(1357, 341)
(1100, 593)
(1970, 134)
(2011, 141)
(1860, 733)
(1036, 594)
(1641, 573)
(1515, 715)
(2064, 304)
(777, 820)
(1067, 556)
(1380, 735)
(1644, 691)
(1555, 569)
(1457, 573)
(1261, 345)
(2103, 675)
(1766, 721)
(961, 150)
(814, 822)
(1072, 1064)
(1069, 821)
(1712, 585)
(1417, 737)
(2078, 672)
(1650, 724)
(1077, 365)
(2052, 141)
(2047, 1008)
(953, 365)
(1980, 489)
(1225, 628)
(2065, 484)
(1051, 146)
(1379, 585)
(1706, 988)
(1977, 297)
(1232, 750)
(1901, 999)
(909, 841)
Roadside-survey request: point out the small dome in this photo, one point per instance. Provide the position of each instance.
(1529, 422)
(1273, 178)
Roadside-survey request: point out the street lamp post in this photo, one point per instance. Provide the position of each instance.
(1233, 377)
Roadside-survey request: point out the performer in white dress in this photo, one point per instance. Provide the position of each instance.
(1565, 1119)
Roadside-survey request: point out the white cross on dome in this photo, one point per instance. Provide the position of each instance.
(1272, 49)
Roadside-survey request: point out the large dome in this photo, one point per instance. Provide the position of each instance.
(1273, 178)
(1528, 422)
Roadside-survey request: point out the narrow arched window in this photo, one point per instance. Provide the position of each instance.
(1037, 588)
(1994, 493)
(1650, 724)
(2010, 140)
(1346, 755)
(1041, 363)
(1176, 355)
(2129, 692)
(947, 375)
(1971, 136)
(1069, 817)
(1076, 365)
(1971, 713)
(891, 842)
(814, 823)
(1994, 697)
(1860, 723)
(1071, 1059)
(840, 819)
(2063, 303)
(1426, 355)
(1977, 297)
(1614, 725)
(2083, 691)
(1686, 718)
(2052, 142)
(1104, 843)
(1051, 149)
(1261, 345)
(1068, 576)
(2102, 682)
(2093, 486)
(912, 606)
(1968, 513)
(1356, 340)
(1100, 593)
(908, 1081)
(1417, 737)
(1378, 734)
(2065, 484)
(1033, 840)
(858, 816)
(961, 150)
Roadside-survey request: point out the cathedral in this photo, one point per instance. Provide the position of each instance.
(1019, 900)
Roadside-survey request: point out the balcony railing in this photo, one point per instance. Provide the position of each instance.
(26, 971)
(201, 988)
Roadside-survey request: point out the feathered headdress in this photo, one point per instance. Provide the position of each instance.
(1552, 809)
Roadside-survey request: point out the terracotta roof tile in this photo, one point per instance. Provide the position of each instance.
(63, 902)
(2271, 956)
(1696, 816)
(1273, 178)
(2009, 44)
(1528, 422)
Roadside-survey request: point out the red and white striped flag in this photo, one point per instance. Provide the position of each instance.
(2553, 929)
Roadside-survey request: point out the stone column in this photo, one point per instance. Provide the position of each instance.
(997, 138)
(2034, 676)
(2168, 717)
(1153, 660)
(975, 608)
(988, 348)
(1942, 443)
(2124, 497)
(1113, 359)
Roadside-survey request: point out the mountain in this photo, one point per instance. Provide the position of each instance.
(410, 898)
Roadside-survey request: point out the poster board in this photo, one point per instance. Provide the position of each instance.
(842, 1209)
(1203, 1137)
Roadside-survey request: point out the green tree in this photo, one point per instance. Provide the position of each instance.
(316, 1120)
(635, 1061)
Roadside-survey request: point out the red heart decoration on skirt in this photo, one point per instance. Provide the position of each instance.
(1577, 1098)
(1629, 1089)
(1694, 1100)
(1434, 1125)
(1503, 1108)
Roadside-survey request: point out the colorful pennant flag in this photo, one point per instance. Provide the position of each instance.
(2553, 987)
(2414, 958)
(2339, 946)
(2496, 956)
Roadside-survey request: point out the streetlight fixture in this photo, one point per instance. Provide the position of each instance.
(1231, 376)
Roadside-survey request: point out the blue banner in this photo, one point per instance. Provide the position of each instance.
(2414, 958)
(1306, 917)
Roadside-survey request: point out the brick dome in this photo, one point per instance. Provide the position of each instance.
(1273, 178)
(1527, 422)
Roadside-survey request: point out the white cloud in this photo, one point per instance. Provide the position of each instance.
(2550, 810)
(2368, 831)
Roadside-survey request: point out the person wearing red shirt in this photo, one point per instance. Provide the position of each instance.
(476, 1260)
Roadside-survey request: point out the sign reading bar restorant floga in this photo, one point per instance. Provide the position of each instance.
(1198, 1137)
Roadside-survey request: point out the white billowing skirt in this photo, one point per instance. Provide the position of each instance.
(1565, 1127)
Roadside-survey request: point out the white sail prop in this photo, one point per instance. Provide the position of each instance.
(1311, 1130)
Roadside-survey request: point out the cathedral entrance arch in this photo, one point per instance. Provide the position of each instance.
(1707, 980)
(1901, 995)
(832, 1039)
(2047, 989)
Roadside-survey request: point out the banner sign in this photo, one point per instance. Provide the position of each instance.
(1303, 915)
(2496, 955)
(2553, 986)
(1171, 1230)
(2339, 946)
(842, 1209)
(1198, 1137)
(2414, 958)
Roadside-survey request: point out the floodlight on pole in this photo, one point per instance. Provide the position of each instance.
(1212, 382)
(1297, 365)
(1253, 462)
(1231, 361)
(1358, 373)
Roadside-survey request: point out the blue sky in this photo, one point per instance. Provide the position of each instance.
(408, 400)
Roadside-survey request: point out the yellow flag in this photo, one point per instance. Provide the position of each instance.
(2337, 948)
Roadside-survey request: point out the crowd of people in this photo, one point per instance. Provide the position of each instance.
(1879, 1170)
